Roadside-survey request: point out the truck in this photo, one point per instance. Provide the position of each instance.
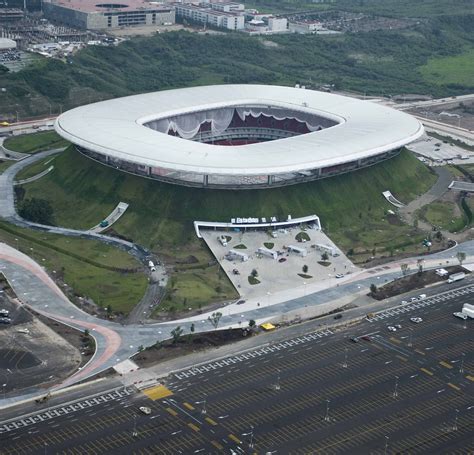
(456, 277)
(468, 310)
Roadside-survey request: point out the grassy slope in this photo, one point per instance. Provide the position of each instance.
(457, 69)
(105, 287)
(82, 192)
(35, 142)
(443, 214)
(36, 168)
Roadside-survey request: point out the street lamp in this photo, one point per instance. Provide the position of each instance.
(326, 417)
(344, 365)
(410, 339)
(461, 367)
(203, 402)
(4, 392)
(386, 445)
(250, 433)
(135, 432)
(455, 426)
(395, 390)
(277, 384)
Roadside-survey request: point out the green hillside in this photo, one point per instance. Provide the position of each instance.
(83, 192)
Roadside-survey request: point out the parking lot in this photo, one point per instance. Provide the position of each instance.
(408, 391)
(285, 272)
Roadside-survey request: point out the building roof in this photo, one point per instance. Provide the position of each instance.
(91, 6)
(116, 128)
(6, 43)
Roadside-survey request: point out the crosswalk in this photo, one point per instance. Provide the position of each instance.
(59, 411)
(422, 303)
(252, 354)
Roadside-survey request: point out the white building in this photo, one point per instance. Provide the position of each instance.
(210, 16)
(277, 24)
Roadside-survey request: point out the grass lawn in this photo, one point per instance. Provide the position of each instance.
(35, 142)
(196, 288)
(71, 258)
(36, 168)
(5, 165)
(457, 69)
(441, 213)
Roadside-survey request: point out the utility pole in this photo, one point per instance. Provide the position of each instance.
(344, 365)
(455, 426)
(410, 339)
(386, 445)
(461, 367)
(277, 385)
(135, 432)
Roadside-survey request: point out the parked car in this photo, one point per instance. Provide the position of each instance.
(416, 320)
(145, 410)
(355, 339)
(458, 314)
(5, 321)
(339, 275)
(391, 328)
(338, 316)
(366, 338)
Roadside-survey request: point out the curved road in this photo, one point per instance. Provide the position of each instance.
(116, 343)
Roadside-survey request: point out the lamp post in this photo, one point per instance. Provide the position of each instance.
(386, 445)
(410, 339)
(326, 417)
(344, 365)
(203, 402)
(277, 384)
(395, 390)
(455, 426)
(250, 433)
(461, 367)
(4, 391)
(135, 432)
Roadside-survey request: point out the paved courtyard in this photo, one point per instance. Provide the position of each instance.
(284, 272)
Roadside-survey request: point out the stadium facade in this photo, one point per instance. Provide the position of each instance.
(238, 136)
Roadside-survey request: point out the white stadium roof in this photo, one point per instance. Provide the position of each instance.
(115, 128)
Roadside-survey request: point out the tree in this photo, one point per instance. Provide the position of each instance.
(419, 264)
(404, 268)
(109, 310)
(176, 334)
(325, 256)
(86, 333)
(192, 328)
(252, 324)
(439, 236)
(141, 348)
(36, 210)
(373, 288)
(214, 319)
(254, 273)
(305, 268)
(461, 256)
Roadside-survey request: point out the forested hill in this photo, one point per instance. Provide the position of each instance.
(382, 62)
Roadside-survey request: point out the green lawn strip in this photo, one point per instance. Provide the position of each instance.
(90, 273)
(35, 142)
(35, 168)
(240, 246)
(305, 276)
(253, 280)
(441, 213)
(5, 165)
(268, 245)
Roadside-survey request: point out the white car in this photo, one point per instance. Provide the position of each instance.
(458, 314)
(145, 410)
(391, 328)
(404, 302)
(339, 275)
(416, 320)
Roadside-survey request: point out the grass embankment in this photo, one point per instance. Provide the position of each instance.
(85, 265)
(5, 165)
(458, 69)
(35, 142)
(351, 206)
(35, 168)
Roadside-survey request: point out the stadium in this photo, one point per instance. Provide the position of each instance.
(238, 136)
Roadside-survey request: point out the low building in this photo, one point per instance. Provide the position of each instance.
(90, 15)
(208, 15)
(298, 250)
(266, 252)
(7, 44)
(277, 24)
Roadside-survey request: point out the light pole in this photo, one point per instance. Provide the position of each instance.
(135, 432)
(455, 426)
(251, 437)
(344, 365)
(277, 385)
(203, 402)
(304, 284)
(395, 390)
(326, 417)
(410, 339)
(461, 367)
(386, 445)
(4, 391)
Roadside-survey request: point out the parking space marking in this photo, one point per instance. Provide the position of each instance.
(425, 370)
(455, 387)
(157, 392)
(235, 438)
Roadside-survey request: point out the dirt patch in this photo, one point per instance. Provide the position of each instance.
(394, 220)
(188, 344)
(412, 282)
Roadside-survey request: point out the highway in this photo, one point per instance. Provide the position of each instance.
(408, 391)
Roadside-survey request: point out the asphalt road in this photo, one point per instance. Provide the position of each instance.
(409, 391)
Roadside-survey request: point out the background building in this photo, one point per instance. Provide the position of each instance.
(90, 15)
(228, 15)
